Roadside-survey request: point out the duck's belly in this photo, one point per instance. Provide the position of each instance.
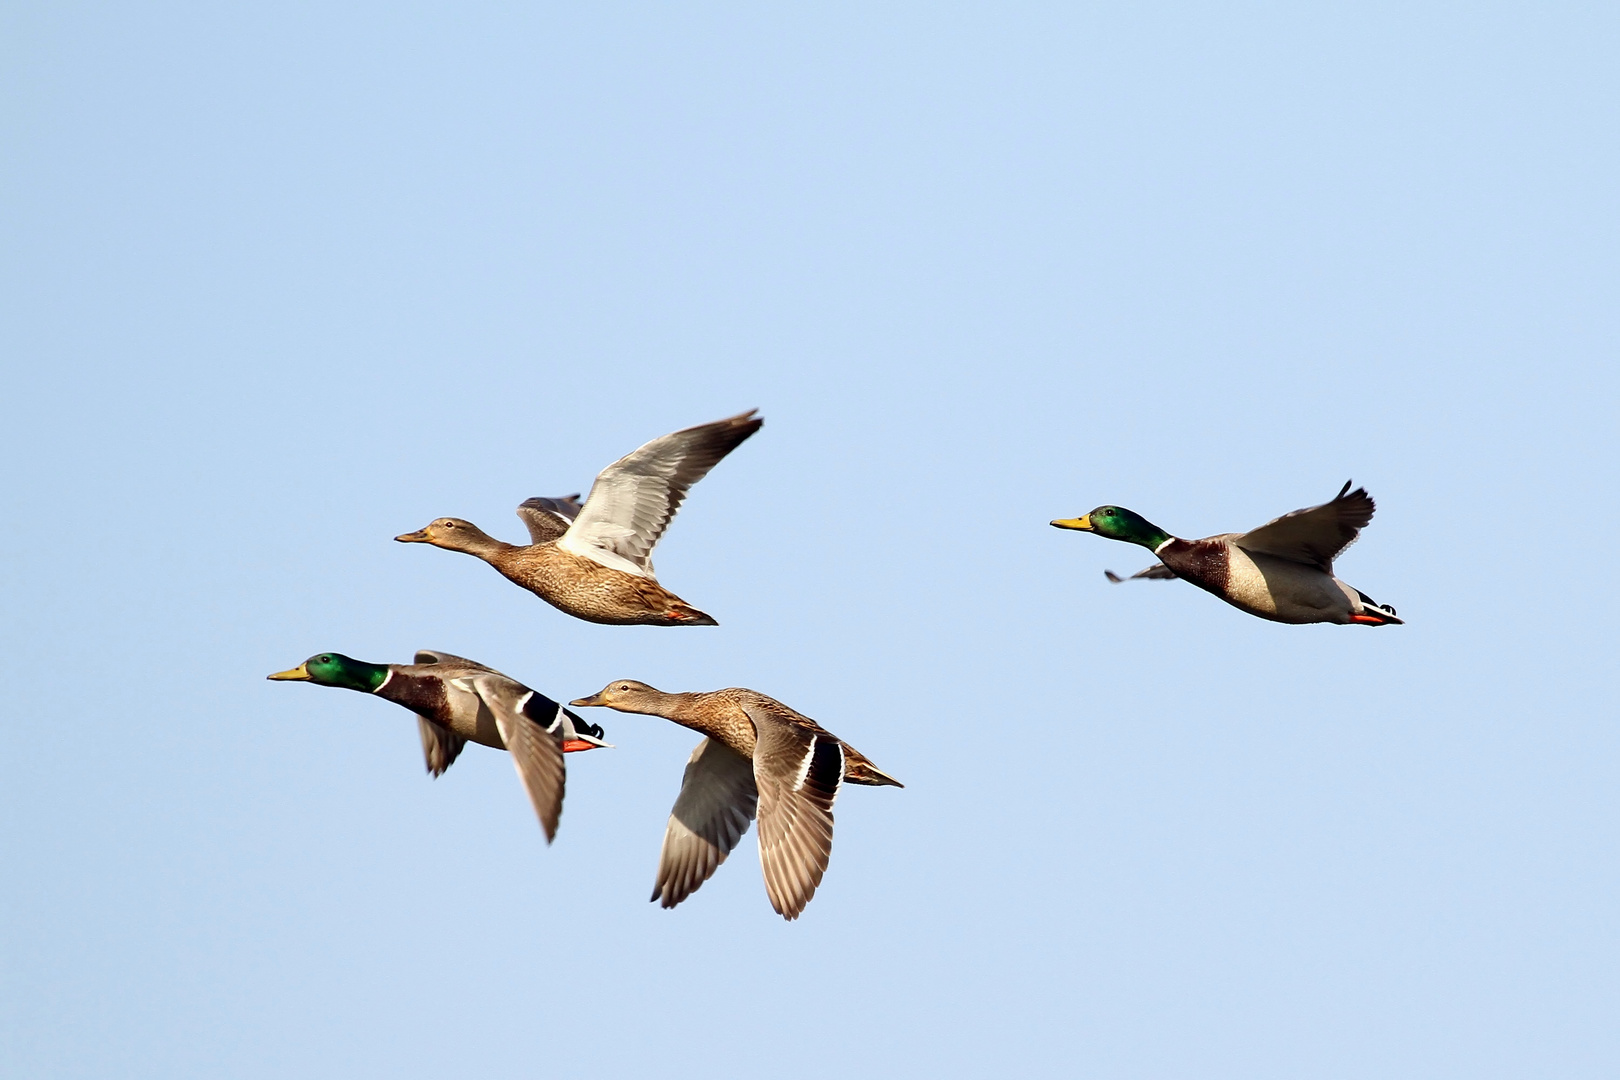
(588, 590)
(470, 718)
(1283, 591)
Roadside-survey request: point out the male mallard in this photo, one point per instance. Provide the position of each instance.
(758, 751)
(1281, 571)
(595, 561)
(455, 700)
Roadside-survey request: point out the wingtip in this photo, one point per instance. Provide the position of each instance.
(1111, 576)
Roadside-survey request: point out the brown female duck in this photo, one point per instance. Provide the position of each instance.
(594, 562)
(758, 754)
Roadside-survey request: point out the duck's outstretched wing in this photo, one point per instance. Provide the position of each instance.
(548, 519)
(716, 803)
(632, 501)
(1316, 535)
(1157, 572)
(536, 753)
(799, 770)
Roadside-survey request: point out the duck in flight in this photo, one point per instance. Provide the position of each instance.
(757, 754)
(594, 561)
(456, 700)
(1282, 571)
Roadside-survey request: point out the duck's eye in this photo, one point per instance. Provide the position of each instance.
(323, 659)
(448, 524)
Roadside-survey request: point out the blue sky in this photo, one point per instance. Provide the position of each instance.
(278, 283)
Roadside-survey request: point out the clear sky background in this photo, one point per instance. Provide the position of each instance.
(283, 281)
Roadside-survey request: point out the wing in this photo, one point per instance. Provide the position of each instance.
(799, 771)
(712, 812)
(1158, 571)
(548, 519)
(632, 501)
(440, 746)
(536, 752)
(427, 657)
(1316, 535)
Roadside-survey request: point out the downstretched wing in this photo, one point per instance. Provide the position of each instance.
(632, 501)
(536, 753)
(440, 745)
(1157, 572)
(548, 519)
(1316, 535)
(799, 770)
(712, 812)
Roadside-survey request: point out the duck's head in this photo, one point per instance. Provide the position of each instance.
(448, 532)
(626, 695)
(1117, 523)
(335, 669)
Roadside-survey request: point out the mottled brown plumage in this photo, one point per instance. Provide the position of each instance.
(758, 752)
(593, 561)
(570, 583)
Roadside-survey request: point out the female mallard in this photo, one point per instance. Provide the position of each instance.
(594, 562)
(455, 700)
(758, 752)
(1281, 571)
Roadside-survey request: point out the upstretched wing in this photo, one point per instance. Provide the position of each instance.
(548, 519)
(1316, 535)
(632, 501)
(1157, 572)
(716, 803)
(799, 770)
(450, 660)
(536, 753)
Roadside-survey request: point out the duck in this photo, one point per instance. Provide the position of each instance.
(1282, 571)
(457, 700)
(757, 754)
(594, 560)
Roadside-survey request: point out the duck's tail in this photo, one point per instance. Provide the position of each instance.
(683, 614)
(1373, 613)
(858, 770)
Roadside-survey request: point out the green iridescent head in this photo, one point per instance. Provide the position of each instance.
(1118, 523)
(335, 669)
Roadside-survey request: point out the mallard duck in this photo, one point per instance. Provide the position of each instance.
(756, 752)
(594, 561)
(455, 700)
(1281, 571)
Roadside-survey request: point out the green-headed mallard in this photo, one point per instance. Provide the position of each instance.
(455, 700)
(757, 751)
(1281, 571)
(595, 561)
